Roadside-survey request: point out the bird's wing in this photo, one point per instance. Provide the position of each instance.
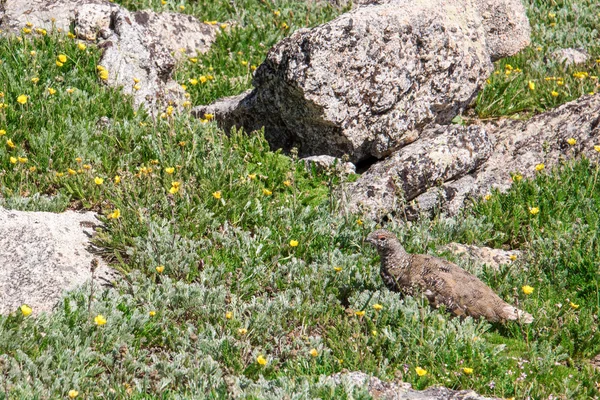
(445, 283)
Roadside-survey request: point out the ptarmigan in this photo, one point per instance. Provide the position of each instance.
(442, 282)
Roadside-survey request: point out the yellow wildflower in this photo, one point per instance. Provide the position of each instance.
(26, 310)
(487, 197)
(313, 352)
(169, 170)
(60, 174)
(70, 90)
(2, 132)
(284, 25)
(573, 305)
(267, 192)
(223, 26)
(287, 183)
(152, 313)
(531, 85)
(468, 371)
(81, 46)
(261, 360)
(98, 181)
(540, 167)
(554, 93)
(70, 35)
(277, 13)
(193, 81)
(517, 177)
(597, 148)
(527, 289)
(10, 143)
(420, 371)
(209, 116)
(182, 7)
(572, 141)
(293, 243)
(136, 87)
(160, 269)
(217, 194)
(51, 91)
(59, 64)
(100, 320)
(115, 214)
(359, 222)
(174, 190)
(13, 160)
(377, 307)
(22, 160)
(71, 171)
(73, 394)
(242, 331)
(534, 210)
(359, 313)
(228, 315)
(22, 99)
(193, 60)
(103, 74)
(117, 179)
(62, 58)
(512, 257)
(251, 176)
(32, 169)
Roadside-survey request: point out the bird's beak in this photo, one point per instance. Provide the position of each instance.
(370, 239)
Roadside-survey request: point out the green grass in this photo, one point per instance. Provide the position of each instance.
(233, 287)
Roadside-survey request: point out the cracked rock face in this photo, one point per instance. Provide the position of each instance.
(367, 83)
(135, 44)
(497, 152)
(43, 254)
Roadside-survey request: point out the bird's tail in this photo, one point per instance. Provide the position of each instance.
(514, 314)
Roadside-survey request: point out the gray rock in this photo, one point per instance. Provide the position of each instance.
(507, 29)
(445, 153)
(570, 56)
(322, 163)
(498, 151)
(135, 45)
(367, 82)
(42, 255)
(480, 256)
(400, 390)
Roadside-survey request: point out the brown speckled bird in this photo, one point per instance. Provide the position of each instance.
(442, 282)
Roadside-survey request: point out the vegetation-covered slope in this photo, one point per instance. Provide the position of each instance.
(266, 277)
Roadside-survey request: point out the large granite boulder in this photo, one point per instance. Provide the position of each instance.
(368, 82)
(496, 152)
(137, 45)
(43, 254)
(505, 23)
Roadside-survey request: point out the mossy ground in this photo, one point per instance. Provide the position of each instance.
(235, 285)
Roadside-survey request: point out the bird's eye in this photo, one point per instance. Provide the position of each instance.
(382, 238)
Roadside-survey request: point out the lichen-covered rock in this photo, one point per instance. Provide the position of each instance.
(570, 56)
(43, 254)
(135, 44)
(322, 163)
(505, 23)
(480, 256)
(516, 148)
(445, 153)
(368, 82)
(381, 390)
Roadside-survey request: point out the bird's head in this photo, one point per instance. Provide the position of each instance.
(385, 241)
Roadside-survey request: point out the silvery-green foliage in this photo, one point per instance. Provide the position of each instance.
(164, 246)
(36, 202)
